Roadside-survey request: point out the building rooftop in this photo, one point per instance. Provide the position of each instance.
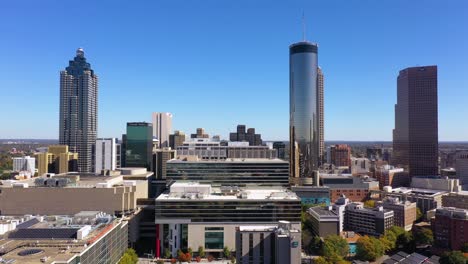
(417, 191)
(54, 239)
(323, 211)
(181, 190)
(229, 160)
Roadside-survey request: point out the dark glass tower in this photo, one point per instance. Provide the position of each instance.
(139, 145)
(415, 137)
(78, 109)
(303, 112)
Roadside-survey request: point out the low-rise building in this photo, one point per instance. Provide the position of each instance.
(388, 175)
(436, 183)
(368, 221)
(312, 195)
(71, 193)
(193, 214)
(425, 199)
(57, 159)
(458, 200)
(357, 189)
(278, 244)
(404, 211)
(87, 238)
(325, 221)
(360, 166)
(24, 164)
(450, 227)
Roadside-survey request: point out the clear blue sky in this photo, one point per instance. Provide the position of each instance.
(215, 64)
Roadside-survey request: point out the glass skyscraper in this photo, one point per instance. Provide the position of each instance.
(78, 109)
(303, 113)
(139, 145)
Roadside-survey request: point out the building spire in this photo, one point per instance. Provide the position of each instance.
(303, 27)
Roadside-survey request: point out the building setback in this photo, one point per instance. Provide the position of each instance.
(176, 139)
(321, 113)
(415, 137)
(404, 212)
(78, 109)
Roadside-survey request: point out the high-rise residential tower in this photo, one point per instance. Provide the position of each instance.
(78, 109)
(415, 137)
(162, 127)
(321, 109)
(303, 112)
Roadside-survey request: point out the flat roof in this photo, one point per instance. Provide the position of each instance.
(323, 211)
(421, 191)
(249, 193)
(229, 160)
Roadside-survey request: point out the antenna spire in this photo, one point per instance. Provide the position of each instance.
(303, 27)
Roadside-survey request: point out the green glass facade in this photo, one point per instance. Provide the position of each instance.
(139, 145)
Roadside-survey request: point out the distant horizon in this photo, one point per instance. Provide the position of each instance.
(264, 140)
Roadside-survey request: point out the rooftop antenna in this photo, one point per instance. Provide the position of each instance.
(303, 27)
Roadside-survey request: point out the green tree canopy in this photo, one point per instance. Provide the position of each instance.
(335, 248)
(453, 257)
(369, 248)
(423, 236)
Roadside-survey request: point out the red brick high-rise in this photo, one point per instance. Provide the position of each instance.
(340, 155)
(451, 227)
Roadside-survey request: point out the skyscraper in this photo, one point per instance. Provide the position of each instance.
(78, 109)
(303, 112)
(415, 137)
(139, 145)
(321, 115)
(162, 127)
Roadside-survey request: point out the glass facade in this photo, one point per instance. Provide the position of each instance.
(139, 145)
(303, 123)
(240, 173)
(214, 238)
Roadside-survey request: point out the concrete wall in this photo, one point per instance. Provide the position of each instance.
(42, 200)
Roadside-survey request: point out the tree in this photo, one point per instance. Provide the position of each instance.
(419, 214)
(190, 250)
(201, 251)
(334, 248)
(233, 260)
(167, 253)
(226, 253)
(423, 236)
(369, 204)
(369, 248)
(129, 257)
(453, 257)
(321, 260)
(184, 257)
(406, 242)
(464, 248)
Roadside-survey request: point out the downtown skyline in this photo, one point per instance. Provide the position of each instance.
(239, 83)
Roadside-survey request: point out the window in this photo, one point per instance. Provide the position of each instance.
(214, 240)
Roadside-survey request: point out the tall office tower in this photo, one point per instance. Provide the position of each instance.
(162, 127)
(200, 134)
(105, 154)
(176, 139)
(415, 137)
(78, 109)
(321, 115)
(139, 145)
(249, 136)
(303, 113)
